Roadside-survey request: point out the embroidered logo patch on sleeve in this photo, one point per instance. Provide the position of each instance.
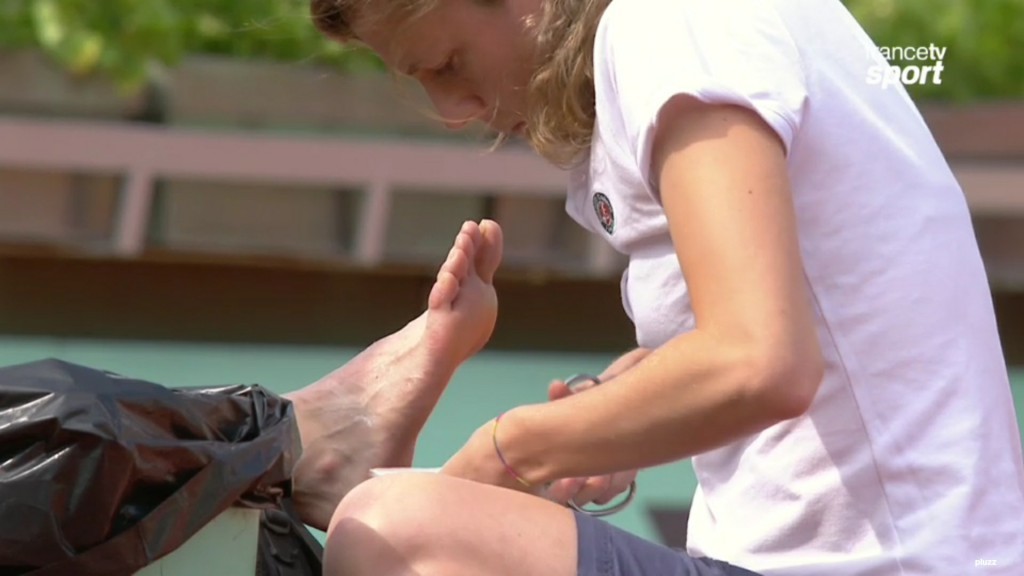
(605, 214)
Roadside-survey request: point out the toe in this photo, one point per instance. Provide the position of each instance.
(488, 258)
(458, 262)
(464, 241)
(459, 265)
(444, 291)
(472, 229)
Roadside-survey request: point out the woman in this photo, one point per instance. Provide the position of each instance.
(802, 268)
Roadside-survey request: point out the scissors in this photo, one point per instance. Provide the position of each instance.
(578, 383)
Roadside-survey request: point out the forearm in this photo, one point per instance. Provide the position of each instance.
(623, 363)
(694, 394)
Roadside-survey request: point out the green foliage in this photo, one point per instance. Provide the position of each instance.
(984, 39)
(125, 38)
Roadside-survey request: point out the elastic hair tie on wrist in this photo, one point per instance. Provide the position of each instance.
(504, 462)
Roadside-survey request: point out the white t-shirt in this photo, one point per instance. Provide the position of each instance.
(909, 460)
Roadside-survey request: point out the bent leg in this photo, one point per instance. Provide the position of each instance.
(425, 524)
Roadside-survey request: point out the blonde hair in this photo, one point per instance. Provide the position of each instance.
(560, 94)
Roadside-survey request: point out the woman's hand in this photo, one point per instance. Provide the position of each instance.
(478, 461)
(597, 489)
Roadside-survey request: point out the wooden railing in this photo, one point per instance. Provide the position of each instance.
(988, 161)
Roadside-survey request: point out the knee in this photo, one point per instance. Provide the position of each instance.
(381, 502)
(381, 525)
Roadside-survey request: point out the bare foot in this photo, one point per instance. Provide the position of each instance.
(369, 413)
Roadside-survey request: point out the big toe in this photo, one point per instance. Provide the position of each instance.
(488, 257)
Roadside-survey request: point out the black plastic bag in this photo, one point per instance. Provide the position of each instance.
(102, 474)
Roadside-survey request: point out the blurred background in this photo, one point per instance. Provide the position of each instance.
(207, 192)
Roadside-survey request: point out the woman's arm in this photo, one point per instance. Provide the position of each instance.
(603, 488)
(559, 389)
(753, 359)
(623, 363)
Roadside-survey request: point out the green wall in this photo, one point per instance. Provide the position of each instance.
(487, 384)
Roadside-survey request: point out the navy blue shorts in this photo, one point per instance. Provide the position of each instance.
(605, 550)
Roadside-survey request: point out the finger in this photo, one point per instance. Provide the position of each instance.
(561, 491)
(595, 487)
(619, 483)
(557, 390)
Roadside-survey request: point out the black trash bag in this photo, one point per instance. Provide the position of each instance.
(102, 474)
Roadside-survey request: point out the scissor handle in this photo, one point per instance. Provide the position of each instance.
(573, 382)
(608, 511)
(577, 380)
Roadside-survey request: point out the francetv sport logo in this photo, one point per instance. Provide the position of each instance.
(908, 65)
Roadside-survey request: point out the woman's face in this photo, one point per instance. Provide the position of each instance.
(473, 60)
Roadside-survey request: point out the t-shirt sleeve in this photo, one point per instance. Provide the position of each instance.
(718, 51)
